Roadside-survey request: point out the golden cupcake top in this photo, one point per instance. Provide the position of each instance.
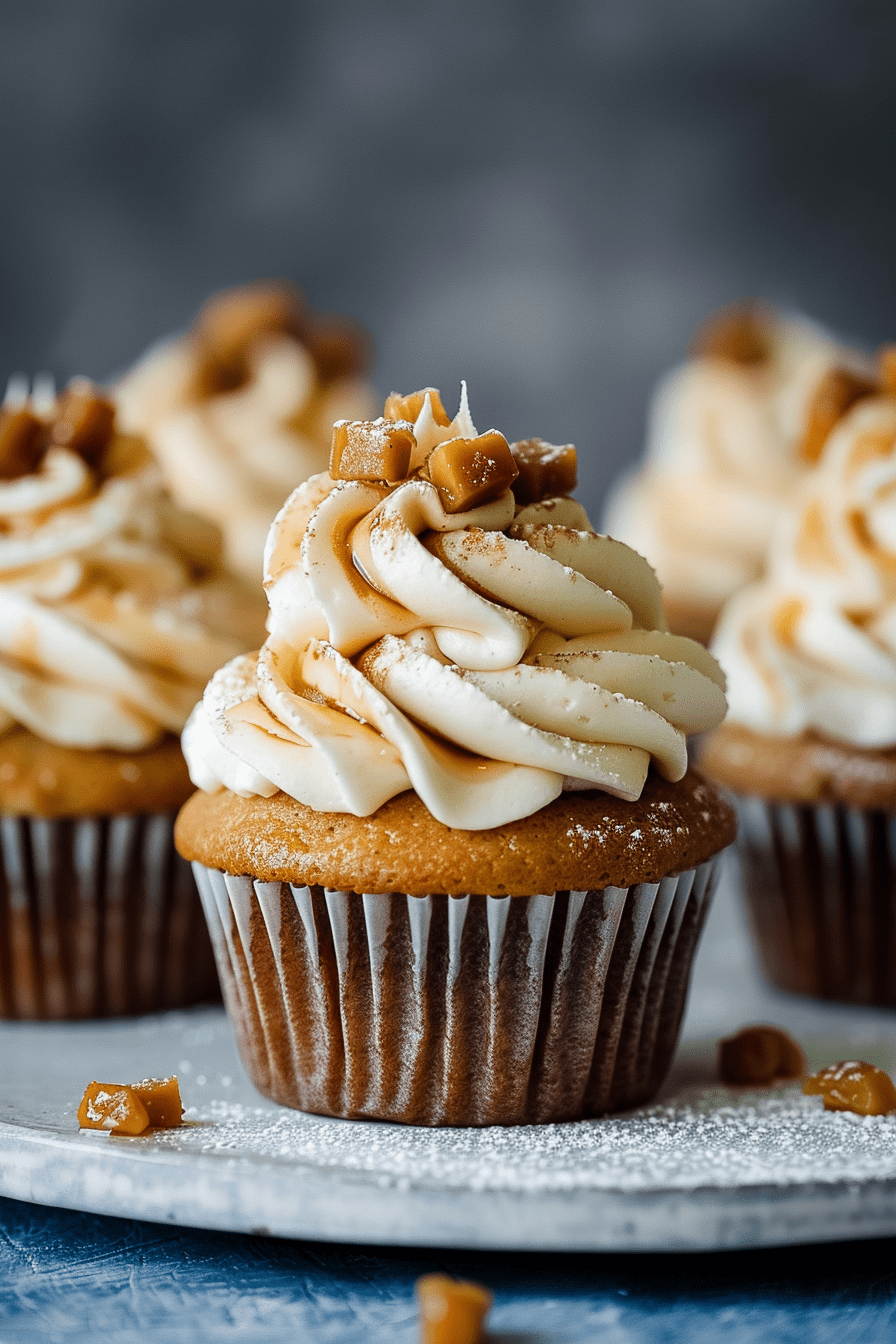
(429, 629)
(812, 647)
(241, 407)
(113, 606)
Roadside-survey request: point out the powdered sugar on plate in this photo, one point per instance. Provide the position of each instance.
(703, 1138)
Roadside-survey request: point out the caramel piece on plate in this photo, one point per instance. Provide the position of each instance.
(409, 407)
(466, 472)
(546, 470)
(838, 390)
(114, 1107)
(22, 443)
(853, 1085)
(124, 1109)
(83, 421)
(737, 333)
(760, 1055)
(451, 1312)
(161, 1097)
(371, 450)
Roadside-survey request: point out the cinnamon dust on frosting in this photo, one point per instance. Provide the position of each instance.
(731, 433)
(487, 656)
(241, 407)
(113, 607)
(812, 647)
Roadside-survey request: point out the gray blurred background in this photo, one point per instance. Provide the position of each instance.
(543, 198)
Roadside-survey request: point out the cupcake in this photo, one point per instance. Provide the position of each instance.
(809, 747)
(241, 407)
(451, 854)
(113, 612)
(727, 445)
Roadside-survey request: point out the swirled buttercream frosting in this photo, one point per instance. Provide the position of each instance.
(727, 445)
(241, 407)
(812, 647)
(114, 609)
(430, 630)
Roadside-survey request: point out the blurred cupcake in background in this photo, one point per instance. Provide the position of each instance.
(240, 409)
(809, 746)
(114, 610)
(728, 440)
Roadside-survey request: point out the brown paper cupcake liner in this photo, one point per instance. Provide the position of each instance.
(470, 1010)
(98, 917)
(820, 888)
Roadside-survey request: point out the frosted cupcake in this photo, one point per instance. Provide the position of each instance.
(241, 407)
(452, 856)
(727, 445)
(810, 745)
(113, 612)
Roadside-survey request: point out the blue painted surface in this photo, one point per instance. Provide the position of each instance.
(79, 1277)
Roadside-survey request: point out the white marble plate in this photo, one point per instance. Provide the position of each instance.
(704, 1168)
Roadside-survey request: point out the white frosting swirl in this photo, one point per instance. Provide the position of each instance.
(722, 456)
(235, 456)
(486, 659)
(111, 611)
(813, 645)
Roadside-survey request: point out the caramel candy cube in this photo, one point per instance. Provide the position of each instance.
(853, 1085)
(546, 470)
(114, 1107)
(466, 472)
(451, 1312)
(409, 407)
(83, 421)
(230, 321)
(760, 1055)
(22, 443)
(886, 363)
(161, 1098)
(838, 390)
(371, 450)
(339, 348)
(738, 333)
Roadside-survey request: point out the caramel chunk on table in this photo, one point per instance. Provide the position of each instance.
(83, 421)
(371, 450)
(853, 1085)
(738, 333)
(451, 1312)
(131, 1109)
(838, 390)
(545, 470)
(408, 407)
(23, 441)
(467, 472)
(760, 1055)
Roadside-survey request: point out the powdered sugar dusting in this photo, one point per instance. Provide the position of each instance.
(704, 1138)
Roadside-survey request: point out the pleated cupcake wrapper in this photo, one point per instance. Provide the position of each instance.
(469, 1010)
(820, 883)
(99, 917)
